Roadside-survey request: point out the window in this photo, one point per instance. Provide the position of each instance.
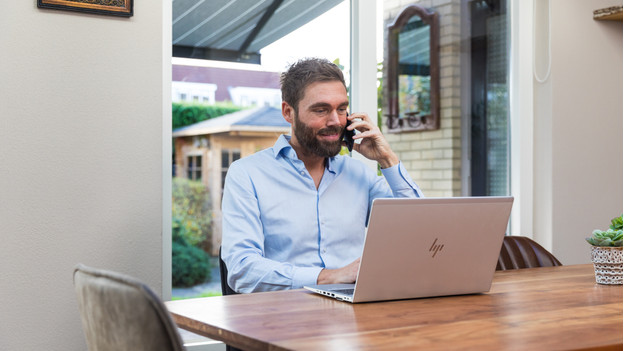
(489, 87)
(227, 157)
(467, 153)
(194, 167)
(334, 17)
(288, 41)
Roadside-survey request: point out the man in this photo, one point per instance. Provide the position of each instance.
(295, 214)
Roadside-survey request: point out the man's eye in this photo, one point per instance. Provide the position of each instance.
(322, 110)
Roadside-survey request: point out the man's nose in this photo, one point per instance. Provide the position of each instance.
(334, 118)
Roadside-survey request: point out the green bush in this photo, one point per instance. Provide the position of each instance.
(190, 265)
(191, 232)
(184, 114)
(191, 210)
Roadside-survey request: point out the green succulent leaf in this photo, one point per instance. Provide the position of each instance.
(591, 241)
(609, 237)
(616, 223)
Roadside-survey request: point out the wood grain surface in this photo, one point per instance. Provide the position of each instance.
(554, 308)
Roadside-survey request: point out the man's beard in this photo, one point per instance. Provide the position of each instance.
(307, 138)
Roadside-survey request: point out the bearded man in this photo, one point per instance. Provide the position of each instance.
(295, 214)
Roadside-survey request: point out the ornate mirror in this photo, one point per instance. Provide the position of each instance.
(413, 71)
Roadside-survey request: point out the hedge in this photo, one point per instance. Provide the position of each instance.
(184, 113)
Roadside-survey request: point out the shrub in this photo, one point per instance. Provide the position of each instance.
(190, 265)
(191, 211)
(191, 231)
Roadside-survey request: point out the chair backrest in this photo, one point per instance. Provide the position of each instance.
(521, 252)
(225, 288)
(119, 312)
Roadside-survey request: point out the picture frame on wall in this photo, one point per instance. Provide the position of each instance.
(122, 8)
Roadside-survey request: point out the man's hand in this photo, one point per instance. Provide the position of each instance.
(373, 146)
(344, 275)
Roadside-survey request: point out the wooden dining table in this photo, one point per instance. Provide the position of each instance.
(550, 308)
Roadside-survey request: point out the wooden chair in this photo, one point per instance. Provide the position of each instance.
(120, 313)
(520, 252)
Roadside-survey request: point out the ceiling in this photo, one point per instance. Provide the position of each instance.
(236, 30)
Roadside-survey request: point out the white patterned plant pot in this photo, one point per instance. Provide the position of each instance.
(607, 264)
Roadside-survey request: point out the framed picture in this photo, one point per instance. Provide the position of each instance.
(121, 8)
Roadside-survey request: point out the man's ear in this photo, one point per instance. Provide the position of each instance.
(288, 112)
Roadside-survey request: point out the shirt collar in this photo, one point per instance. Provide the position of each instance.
(282, 148)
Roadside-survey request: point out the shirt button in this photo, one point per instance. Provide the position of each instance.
(324, 251)
(302, 173)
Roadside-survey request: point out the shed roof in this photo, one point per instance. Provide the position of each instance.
(259, 119)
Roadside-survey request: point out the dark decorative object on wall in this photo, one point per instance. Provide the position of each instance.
(413, 71)
(121, 8)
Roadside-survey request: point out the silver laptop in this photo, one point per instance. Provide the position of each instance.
(427, 247)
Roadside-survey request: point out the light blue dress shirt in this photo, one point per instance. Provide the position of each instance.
(280, 231)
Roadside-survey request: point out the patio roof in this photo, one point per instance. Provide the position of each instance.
(259, 119)
(236, 30)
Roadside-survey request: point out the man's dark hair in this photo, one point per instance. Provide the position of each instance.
(305, 72)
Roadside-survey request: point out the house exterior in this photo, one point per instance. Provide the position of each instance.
(210, 84)
(205, 150)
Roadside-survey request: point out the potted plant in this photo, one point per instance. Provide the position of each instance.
(606, 253)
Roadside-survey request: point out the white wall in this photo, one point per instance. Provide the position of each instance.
(578, 129)
(81, 160)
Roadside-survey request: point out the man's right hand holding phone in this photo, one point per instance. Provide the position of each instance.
(373, 145)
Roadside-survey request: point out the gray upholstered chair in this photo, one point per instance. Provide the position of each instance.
(119, 313)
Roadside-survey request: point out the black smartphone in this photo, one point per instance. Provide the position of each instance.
(348, 135)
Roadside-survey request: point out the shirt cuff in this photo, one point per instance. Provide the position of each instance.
(305, 276)
(398, 179)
